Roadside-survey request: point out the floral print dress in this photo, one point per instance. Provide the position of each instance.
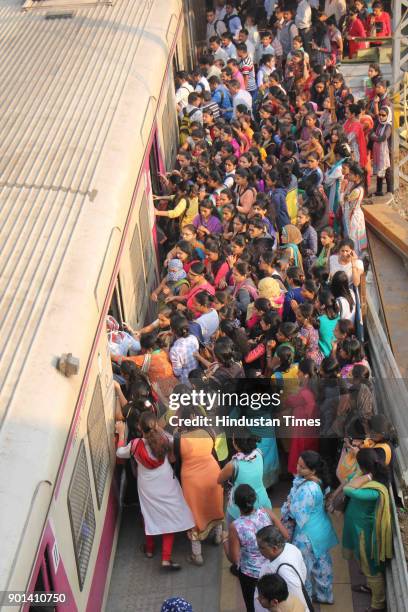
(313, 534)
(311, 337)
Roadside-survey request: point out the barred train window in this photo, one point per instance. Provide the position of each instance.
(146, 233)
(139, 286)
(169, 125)
(98, 441)
(81, 514)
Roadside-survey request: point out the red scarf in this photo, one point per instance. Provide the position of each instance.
(139, 452)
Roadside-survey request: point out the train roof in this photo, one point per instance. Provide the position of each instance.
(79, 88)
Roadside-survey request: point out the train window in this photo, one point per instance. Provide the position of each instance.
(139, 286)
(81, 514)
(98, 441)
(116, 306)
(169, 125)
(146, 233)
(154, 168)
(44, 584)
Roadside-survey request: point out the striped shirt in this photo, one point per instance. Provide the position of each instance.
(246, 66)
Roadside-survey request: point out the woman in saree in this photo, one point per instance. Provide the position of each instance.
(333, 178)
(367, 534)
(304, 513)
(353, 216)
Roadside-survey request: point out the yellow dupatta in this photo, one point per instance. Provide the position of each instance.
(381, 541)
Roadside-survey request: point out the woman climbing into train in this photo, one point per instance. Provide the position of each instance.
(163, 506)
(367, 513)
(198, 283)
(184, 205)
(207, 221)
(154, 362)
(174, 283)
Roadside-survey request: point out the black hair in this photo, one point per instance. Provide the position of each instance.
(346, 327)
(288, 329)
(311, 287)
(204, 299)
(243, 268)
(307, 311)
(294, 274)
(327, 299)
(256, 222)
(330, 367)
(273, 588)
(245, 498)
(272, 318)
(314, 462)
(149, 340)
(245, 441)
(379, 424)
(237, 335)
(262, 304)
(224, 351)
(370, 463)
(340, 288)
(179, 326)
(286, 357)
(346, 242)
(353, 349)
(197, 267)
(186, 247)
(309, 368)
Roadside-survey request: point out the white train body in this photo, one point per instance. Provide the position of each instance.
(88, 110)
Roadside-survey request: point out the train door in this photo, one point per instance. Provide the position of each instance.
(49, 576)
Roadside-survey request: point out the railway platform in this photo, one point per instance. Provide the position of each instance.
(139, 585)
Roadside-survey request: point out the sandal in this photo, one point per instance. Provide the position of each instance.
(170, 566)
(361, 588)
(196, 560)
(148, 555)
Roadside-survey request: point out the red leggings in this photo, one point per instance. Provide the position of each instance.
(167, 545)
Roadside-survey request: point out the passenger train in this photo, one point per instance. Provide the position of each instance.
(88, 121)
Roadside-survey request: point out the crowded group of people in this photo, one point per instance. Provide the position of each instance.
(263, 245)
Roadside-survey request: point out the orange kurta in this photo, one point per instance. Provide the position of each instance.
(199, 473)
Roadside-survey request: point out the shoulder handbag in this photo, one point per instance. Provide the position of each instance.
(177, 455)
(304, 591)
